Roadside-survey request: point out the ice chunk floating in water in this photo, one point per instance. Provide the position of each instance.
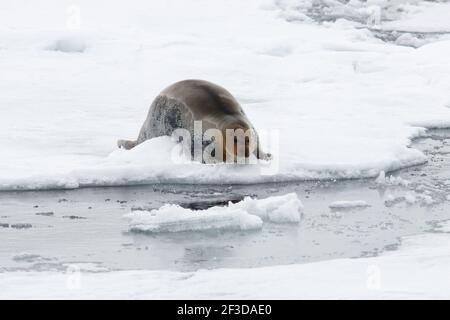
(246, 215)
(280, 209)
(349, 204)
(173, 218)
(382, 179)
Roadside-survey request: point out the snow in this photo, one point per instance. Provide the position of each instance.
(426, 199)
(393, 275)
(407, 39)
(349, 204)
(391, 180)
(409, 198)
(245, 215)
(69, 44)
(330, 100)
(278, 209)
(336, 90)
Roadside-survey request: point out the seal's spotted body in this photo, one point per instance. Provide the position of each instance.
(165, 115)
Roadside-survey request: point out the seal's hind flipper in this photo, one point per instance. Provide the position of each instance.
(126, 144)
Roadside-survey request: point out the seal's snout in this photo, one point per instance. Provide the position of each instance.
(240, 142)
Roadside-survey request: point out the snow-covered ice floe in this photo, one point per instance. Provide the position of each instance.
(393, 275)
(346, 106)
(245, 215)
(409, 198)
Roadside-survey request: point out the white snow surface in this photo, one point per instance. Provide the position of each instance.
(393, 275)
(343, 104)
(245, 215)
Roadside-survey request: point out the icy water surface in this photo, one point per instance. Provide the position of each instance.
(368, 16)
(52, 230)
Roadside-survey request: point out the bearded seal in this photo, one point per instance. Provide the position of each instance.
(183, 103)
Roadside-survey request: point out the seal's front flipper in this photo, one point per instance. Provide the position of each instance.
(263, 156)
(126, 144)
